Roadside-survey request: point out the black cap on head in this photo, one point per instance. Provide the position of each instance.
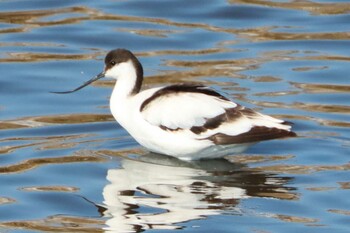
(117, 56)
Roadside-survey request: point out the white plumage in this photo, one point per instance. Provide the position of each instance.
(185, 121)
(184, 110)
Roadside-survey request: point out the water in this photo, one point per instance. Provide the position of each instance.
(66, 166)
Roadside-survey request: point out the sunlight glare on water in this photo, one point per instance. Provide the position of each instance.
(66, 165)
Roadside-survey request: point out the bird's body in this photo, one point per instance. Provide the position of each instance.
(186, 121)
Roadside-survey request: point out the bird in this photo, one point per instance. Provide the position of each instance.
(186, 120)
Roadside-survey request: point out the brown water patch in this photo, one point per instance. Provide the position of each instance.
(27, 122)
(304, 106)
(322, 108)
(321, 121)
(277, 93)
(8, 149)
(294, 219)
(10, 125)
(64, 137)
(59, 223)
(233, 64)
(266, 79)
(257, 158)
(312, 7)
(6, 200)
(289, 55)
(335, 123)
(344, 185)
(34, 163)
(187, 52)
(260, 231)
(50, 189)
(122, 153)
(321, 88)
(150, 32)
(321, 189)
(74, 118)
(29, 44)
(342, 212)
(302, 169)
(44, 57)
(265, 34)
(188, 76)
(278, 195)
(54, 119)
(64, 145)
(309, 68)
(326, 58)
(31, 19)
(46, 143)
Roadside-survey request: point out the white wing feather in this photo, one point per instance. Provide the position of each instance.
(184, 110)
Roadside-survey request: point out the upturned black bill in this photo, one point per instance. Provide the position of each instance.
(97, 77)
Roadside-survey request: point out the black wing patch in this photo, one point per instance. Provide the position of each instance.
(181, 88)
(257, 133)
(230, 115)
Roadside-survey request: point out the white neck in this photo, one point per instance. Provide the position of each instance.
(126, 76)
(126, 79)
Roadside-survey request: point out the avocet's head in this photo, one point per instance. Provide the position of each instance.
(121, 62)
(118, 63)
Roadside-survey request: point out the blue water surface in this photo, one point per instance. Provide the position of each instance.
(66, 165)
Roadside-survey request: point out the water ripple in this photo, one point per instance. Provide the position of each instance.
(66, 155)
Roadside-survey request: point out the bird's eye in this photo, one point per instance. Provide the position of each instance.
(112, 63)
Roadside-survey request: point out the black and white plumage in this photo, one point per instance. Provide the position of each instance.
(185, 120)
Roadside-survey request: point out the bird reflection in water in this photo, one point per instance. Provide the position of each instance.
(158, 192)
